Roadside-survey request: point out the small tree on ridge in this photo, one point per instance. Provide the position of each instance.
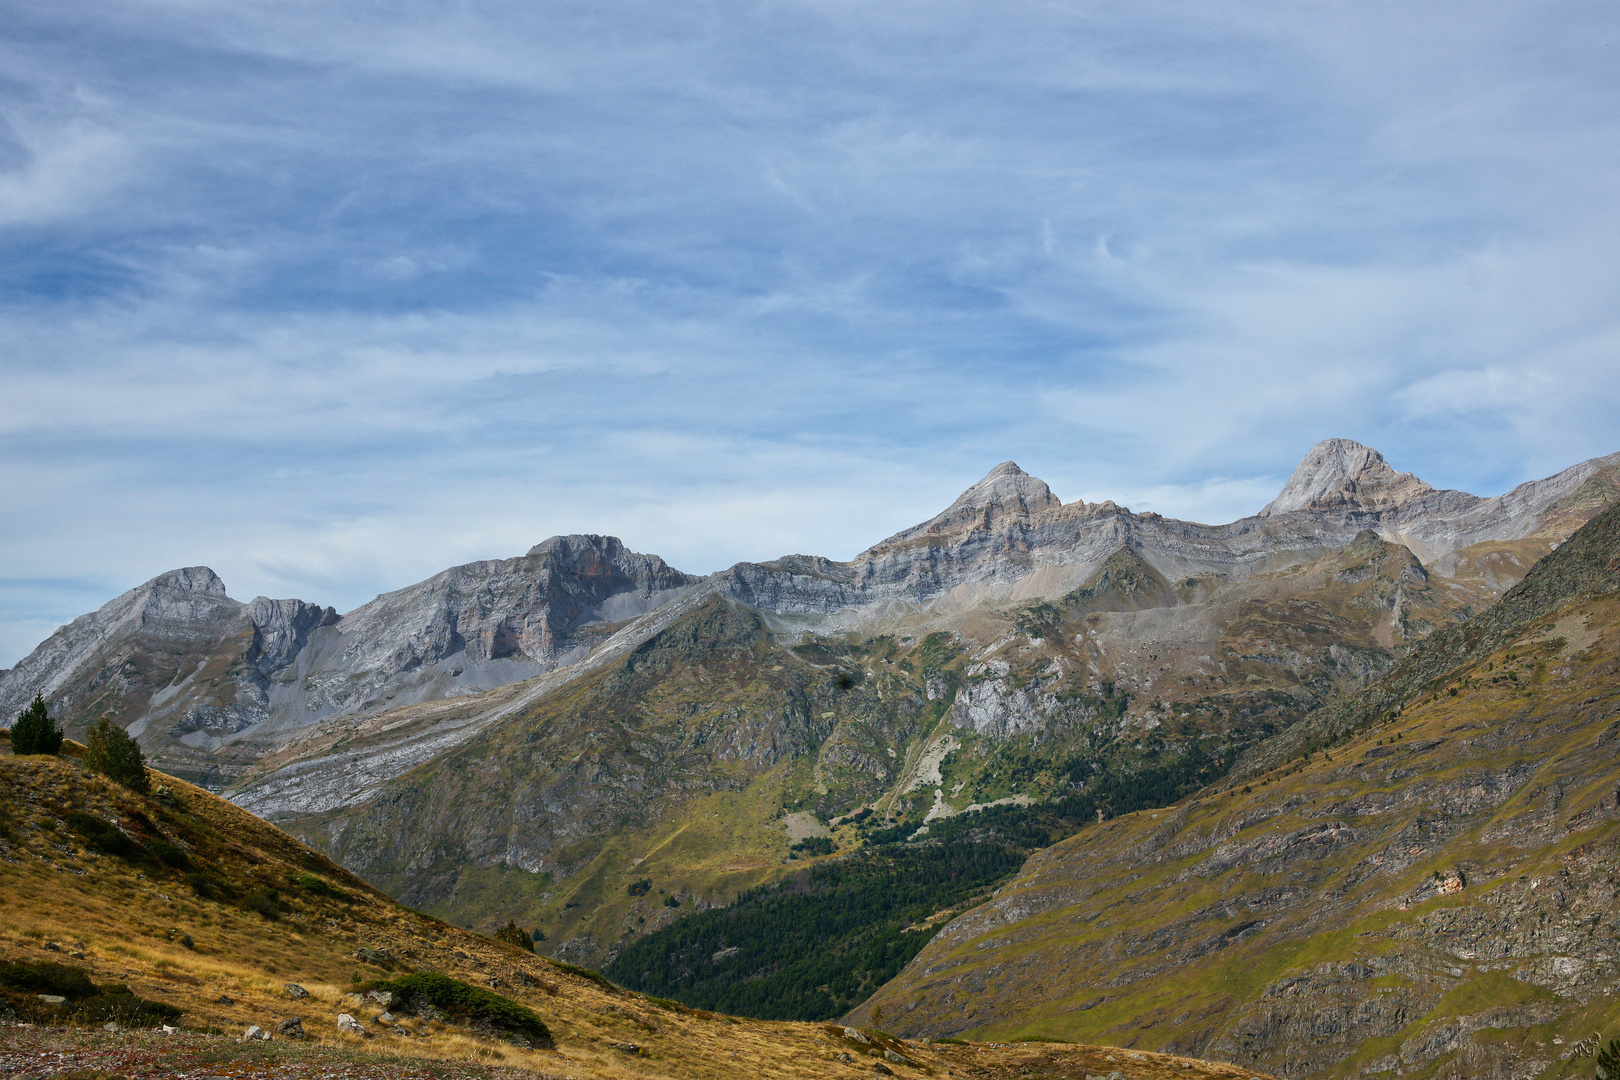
(513, 935)
(35, 732)
(110, 750)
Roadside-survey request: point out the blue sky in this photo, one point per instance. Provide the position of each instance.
(329, 296)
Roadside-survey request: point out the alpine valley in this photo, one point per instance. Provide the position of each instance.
(1326, 791)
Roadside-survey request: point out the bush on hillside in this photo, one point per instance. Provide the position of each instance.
(35, 732)
(473, 1005)
(110, 751)
(265, 901)
(169, 855)
(1608, 1060)
(512, 935)
(62, 980)
(319, 887)
(87, 1003)
(209, 887)
(102, 836)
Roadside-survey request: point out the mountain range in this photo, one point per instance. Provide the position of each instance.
(1421, 881)
(533, 738)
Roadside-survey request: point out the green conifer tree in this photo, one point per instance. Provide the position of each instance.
(35, 732)
(109, 750)
(513, 935)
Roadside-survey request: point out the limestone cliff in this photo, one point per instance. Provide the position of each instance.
(210, 684)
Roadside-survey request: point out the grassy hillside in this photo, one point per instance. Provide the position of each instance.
(205, 913)
(1432, 892)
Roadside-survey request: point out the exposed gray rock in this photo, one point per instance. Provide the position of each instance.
(208, 684)
(1341, 474)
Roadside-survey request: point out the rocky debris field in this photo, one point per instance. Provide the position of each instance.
(28, 1052)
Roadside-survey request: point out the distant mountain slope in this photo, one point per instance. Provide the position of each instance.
(501, 716)
(209, 684)
(192, 905)
(1434, 895)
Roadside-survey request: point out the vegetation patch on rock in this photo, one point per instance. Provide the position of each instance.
(478, 1008)
(29, 989)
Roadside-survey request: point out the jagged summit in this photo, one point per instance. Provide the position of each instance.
(1342, 474)
(1005, 492)
(1005, 486)
(195, 579)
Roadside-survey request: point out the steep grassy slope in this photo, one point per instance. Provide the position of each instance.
(669, 765)
(1434, 893)
(189, 902)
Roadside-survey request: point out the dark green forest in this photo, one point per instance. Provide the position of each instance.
(814, 946)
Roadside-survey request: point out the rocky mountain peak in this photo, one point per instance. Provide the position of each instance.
(1005, 486)
(191, 579)
(1006, 492)
(1342, 474)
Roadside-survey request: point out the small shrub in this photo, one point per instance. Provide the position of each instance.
(103, 836)
(512, 935)
(35, 732)
(670, 901)
(470, 1004)
(263, 900)
(319, 886)
(639, 888)
(815, 845)
(1608, 1060)
(87, 1002)
(169, 854)
(48, 978)
(110, 751)
(585, 973)
(208, 887)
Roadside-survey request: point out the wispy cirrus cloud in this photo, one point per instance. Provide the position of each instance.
(329, 296)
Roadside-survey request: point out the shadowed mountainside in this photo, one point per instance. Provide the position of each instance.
(192, 906)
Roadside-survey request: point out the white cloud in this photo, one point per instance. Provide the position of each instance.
(66, 169)
(330, 296)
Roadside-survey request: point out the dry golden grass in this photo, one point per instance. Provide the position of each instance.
(123, 921)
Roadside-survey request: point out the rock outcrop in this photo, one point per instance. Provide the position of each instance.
(1008, 539)
(1339, 475)
(209, 684)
